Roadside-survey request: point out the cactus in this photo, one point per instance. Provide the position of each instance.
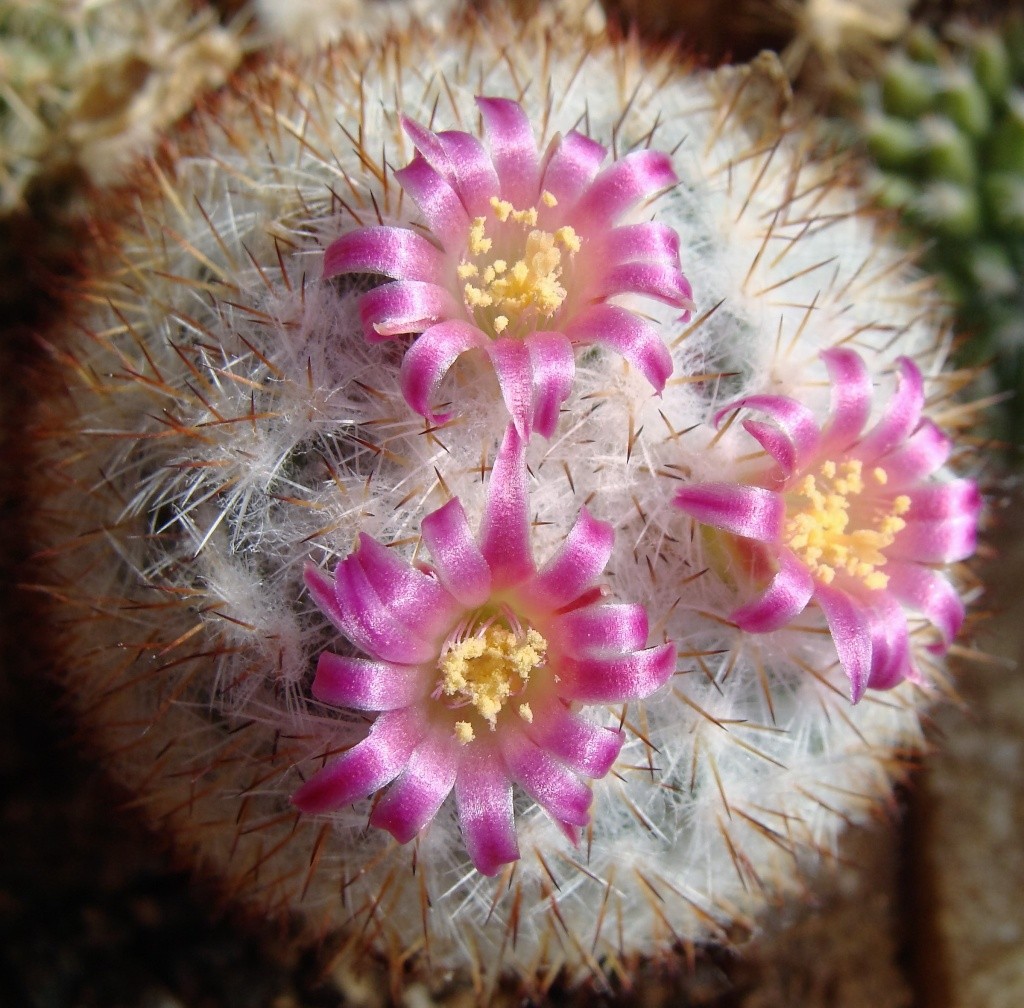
(837, 43)
(945, 127)
(288, 21)
(825, 45)
(88, 87)
(294, 350)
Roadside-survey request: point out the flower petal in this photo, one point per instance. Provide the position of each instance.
(438, 202)
(748, 511)
(323, 591)
(367, 685)
(513, 149)
(851, 633)
(650, 242)
(404, 306)
(460, 159)
(483, 795)
(890, 642)
(623, 185)
(775, 443)
(574, 161)
(413, 800)
(366, 767)
(654, 280)
(902, 414)
(393, 251)
(596, 631)
(352, 605)
(957, 498)
(927, 591)
(505, 528)
(427, 361)
(784, 599)
(794, 420)
(475, 179)
(554, 367)
(851, 399)
(613, 680)
(459, 564)
(514, 370)
(942, 541)
(586, 748)
(576, 565)
(926, 450)
(371, 624)
(624, 332)
(558, 791)
(411, 597)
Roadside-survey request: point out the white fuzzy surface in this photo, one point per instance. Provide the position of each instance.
(231, 423)
(308, 25)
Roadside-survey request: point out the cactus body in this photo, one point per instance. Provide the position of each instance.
(214, 419)
(946, 129)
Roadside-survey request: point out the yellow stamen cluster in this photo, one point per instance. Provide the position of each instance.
(818, 519)
(486, 669)
(529, 283)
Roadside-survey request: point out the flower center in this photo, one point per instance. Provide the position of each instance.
(488, 668)
(498, 291)
(818, 528)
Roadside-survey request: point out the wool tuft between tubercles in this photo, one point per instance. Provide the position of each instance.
(225, 458)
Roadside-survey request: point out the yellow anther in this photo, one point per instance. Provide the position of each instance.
(568, 238)
(477, 298)
(516, 289)
(880, 475)
(849, 481)
(527, 217)
(479, 243)
(502, 209)
(464, 732)
(486, 669)
(526, 713)
(818, 519)
(891, 525)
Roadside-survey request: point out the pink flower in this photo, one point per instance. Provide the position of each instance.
(477, 665)
(523, 258)
(849, 519)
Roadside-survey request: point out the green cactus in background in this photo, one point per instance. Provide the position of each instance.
(945, 126)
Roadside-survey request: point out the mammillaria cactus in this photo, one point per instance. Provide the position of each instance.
(944, 125)
(280, 589)
(89, 86)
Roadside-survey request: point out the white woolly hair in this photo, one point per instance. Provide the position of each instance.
(215, 420)
(290, 21)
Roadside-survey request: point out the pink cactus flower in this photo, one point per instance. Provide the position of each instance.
(524, 260)
(477, 666)
(849, 520)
